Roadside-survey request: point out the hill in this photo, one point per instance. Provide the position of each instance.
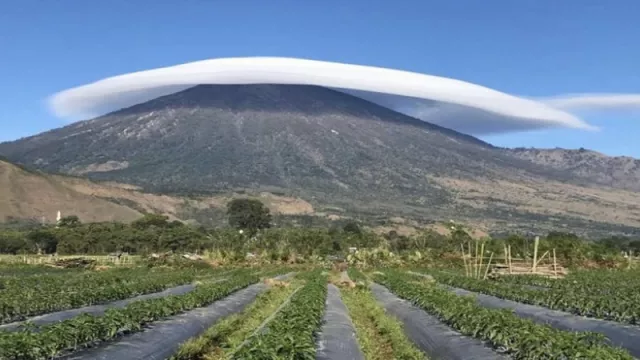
(342, 154)
(37, 196)
(28, 194)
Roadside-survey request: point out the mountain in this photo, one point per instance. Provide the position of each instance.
(342, 154)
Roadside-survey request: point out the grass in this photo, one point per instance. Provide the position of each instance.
(381, 336)
(31, 259)
(220, 340)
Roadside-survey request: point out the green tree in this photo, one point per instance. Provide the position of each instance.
(149, 220)
(43, 241)
(248, 214)
(69, 221)
(12, 242)
(352, 227)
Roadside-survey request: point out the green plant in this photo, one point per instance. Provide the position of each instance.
(290, 335)
(380, 336)
(520, 338)
(72, 334)
(34, 295)
(599, 294)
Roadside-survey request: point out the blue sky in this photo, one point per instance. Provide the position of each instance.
(524, 47)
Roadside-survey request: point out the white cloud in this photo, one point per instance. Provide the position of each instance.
(448, 102)
(594, 101)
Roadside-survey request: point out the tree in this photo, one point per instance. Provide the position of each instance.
(69, 221)
(12, 242)
(149, 220)
(352, 227)
(43, 241)
(248, 214)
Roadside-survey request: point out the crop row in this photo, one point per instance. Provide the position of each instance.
(29, 299)
(616, 304)
(380, 335)
(520, 338)
(584, 281)
(69, 335)
(291, 333)
(224, 336)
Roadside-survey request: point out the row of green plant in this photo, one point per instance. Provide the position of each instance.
(617, 302)
(379, 335)
(519, 338)
(24, 297)
(529, 280)
(588, 280)
(53, 340)
(291, 333)
(12, 269)
(220, 340)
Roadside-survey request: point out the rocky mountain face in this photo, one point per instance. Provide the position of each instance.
(335, 150)
(616, 171)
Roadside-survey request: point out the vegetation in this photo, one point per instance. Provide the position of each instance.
(55, 292)
(283, 322)
(156, 234)
(290, 335)
(616, 297)
(248, 214)
(520, 338)
(380, 336)
(85, 329)
(221, 340)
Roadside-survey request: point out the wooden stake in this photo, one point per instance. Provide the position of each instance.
(510, 270)
(486, 272)
(464, 258)
(506, 256)
(471, 270)
(535, 254)
(542, 257)
(481, 259)
(555, 266)
(475, 262)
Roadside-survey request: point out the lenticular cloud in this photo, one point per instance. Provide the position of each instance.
(448, 102)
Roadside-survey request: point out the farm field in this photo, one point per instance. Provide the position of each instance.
(308, 311)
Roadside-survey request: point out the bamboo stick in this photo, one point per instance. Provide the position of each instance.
(542, 257)
(470, 259)
(464, 258)
(481, 258)
(486, 272)
(535, 254)
(510, 268)
(475, 261)
(555, 265)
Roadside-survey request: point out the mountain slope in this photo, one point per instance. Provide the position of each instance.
(27, 194)
(34, 195)
(337, 151)
(615, 171)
